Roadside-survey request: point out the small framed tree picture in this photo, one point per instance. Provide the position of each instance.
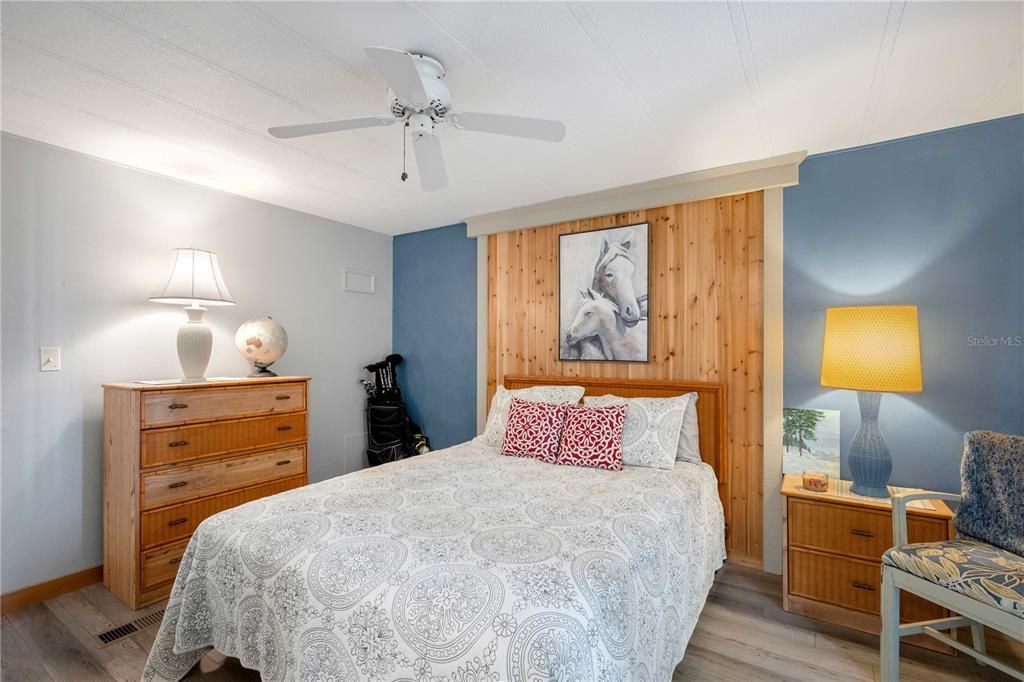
(810, 441)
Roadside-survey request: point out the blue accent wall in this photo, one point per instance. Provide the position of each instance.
(435, 330)
(935, 220)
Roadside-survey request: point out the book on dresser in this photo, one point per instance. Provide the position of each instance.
(175, 454)
(833, 543)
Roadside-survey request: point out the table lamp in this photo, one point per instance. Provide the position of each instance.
(194, 281)
(871, 349)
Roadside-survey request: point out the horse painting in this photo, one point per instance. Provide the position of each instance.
(599, 317)
(613, 276)
(603, 294)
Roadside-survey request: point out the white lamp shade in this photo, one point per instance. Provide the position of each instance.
(194, 279)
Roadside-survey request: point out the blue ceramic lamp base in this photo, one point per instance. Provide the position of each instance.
(870, 461)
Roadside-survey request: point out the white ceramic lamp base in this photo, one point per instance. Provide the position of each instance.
(195, 344)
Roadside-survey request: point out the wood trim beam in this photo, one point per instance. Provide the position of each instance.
(738, 178)
(772, 389)
(34, 594)
(481, 334)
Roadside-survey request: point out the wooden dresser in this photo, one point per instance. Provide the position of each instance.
(832, 564)
(176, 454)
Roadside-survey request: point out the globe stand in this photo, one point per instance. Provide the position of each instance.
(259, 371)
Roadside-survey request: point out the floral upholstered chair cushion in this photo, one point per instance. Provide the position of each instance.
(981, 571)
(992, 478)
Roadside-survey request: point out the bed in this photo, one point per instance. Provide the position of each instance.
(461, 565)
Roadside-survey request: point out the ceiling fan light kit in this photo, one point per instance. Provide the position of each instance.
(418, 97)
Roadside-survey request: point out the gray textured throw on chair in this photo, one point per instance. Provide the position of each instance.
(992, 476)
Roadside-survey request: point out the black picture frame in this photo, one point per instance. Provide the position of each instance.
(561, 254)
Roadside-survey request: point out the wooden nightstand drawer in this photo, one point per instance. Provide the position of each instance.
(181, 520)
(161, 564)
(184, 443)
(836, 580)
(862, 533)
(178, 485)
(175, 407)
(832, 559)
(851, 583)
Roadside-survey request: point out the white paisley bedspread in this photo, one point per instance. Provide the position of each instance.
(458, 565)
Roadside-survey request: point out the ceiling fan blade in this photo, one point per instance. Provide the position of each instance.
(430, 162)
(516, 126)
(399, 70)
(285, 132)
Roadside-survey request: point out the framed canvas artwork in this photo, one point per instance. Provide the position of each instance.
(602, 294)
(810, 440)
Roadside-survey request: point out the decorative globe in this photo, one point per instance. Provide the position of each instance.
(263, 341)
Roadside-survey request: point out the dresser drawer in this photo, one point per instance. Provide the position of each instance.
(184, 443)
(861, 533)
(181, 520)
(851, 583)
(175, 407)
(160, 565)
(179, 485)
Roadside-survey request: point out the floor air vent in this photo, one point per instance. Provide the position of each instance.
(111, 636)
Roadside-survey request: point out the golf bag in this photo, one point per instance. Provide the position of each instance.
(391, 435)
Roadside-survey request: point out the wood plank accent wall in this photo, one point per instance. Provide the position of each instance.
(706, 323)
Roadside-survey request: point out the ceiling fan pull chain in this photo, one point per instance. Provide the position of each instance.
(405, 134)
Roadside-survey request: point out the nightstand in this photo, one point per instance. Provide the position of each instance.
(833, 543)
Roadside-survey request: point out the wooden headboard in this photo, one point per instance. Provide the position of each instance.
(711, 412)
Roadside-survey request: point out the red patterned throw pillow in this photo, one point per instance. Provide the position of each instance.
(592, 437)
(534, 430)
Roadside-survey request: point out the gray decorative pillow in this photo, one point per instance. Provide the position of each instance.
(689, 439)
(650, 436)
(497, 418)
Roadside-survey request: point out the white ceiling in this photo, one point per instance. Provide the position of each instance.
(646, 90)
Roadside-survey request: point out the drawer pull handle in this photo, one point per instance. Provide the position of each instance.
(177, 406)
(862, 533)
(175, 561)
(283, 397)
(864, 586)
(177, 522)
(284, 428)
(178, 484)
(178, 444)
(283, 462)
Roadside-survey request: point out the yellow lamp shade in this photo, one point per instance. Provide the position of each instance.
(872, 348)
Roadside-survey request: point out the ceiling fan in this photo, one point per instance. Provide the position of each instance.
(419, 98)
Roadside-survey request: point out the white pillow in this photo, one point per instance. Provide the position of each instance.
(689, 438)
(497, 418)
(650, 436)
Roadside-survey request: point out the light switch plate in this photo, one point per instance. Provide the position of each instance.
(49, 359)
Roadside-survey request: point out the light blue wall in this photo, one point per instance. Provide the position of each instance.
(937, 221)
(435, 330)
(84, 244)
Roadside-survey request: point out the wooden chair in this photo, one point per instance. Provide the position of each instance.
(975, 576)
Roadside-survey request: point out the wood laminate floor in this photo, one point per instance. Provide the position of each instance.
(743, 636)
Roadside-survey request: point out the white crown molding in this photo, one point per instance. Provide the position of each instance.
(737, 178)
